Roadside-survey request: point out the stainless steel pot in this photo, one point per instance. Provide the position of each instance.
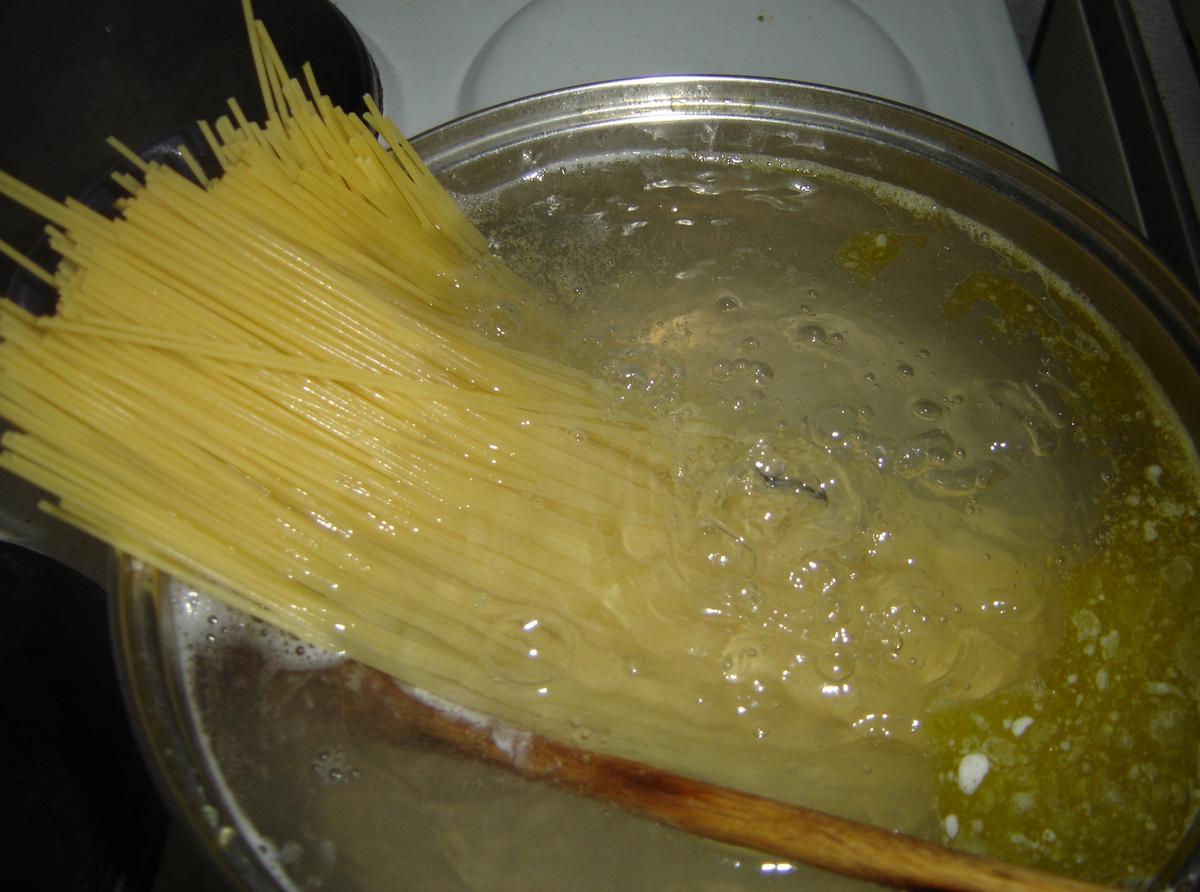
(215, 780)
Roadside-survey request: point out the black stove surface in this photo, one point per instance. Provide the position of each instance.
(77, 73)
(79, 809)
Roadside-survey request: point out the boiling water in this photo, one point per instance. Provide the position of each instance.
(946, 509)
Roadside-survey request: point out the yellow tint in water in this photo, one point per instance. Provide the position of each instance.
(1095, 758)
(949, 529)
(968, 523)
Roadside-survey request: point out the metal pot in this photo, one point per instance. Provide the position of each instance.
(223, 732)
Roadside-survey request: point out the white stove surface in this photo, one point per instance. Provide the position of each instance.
(439, 59)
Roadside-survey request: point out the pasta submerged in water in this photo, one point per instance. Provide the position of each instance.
(271, 385)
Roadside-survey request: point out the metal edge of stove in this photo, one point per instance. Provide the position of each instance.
(1118, 86)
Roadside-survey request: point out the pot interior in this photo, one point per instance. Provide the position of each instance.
(913, 304)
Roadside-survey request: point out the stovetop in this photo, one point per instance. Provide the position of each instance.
(957, 58)
(139, 68)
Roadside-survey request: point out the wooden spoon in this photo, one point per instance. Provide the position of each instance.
(786, 831)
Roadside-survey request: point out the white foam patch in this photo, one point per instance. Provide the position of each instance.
(951, 826)
(447, 707)
(971, 771)
(512, 742)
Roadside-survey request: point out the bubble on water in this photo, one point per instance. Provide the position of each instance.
(749, 345)
(752, 372)
(769, 463)
(499, 320)
(807, 335)
(644, 372)
(839, 428)
(904, 370)
(761, 373)
(802, 335)
(747, 403)
(712, 553)
(818, 577)
(745, 382)
(835, 665)
(919, 454)
(748, 600)
(727, 303)
(927, 410)
(528, 647)
(332, 767)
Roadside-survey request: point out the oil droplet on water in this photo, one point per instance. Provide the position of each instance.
(527, 650)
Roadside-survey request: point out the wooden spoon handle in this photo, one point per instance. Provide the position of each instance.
(786, 831)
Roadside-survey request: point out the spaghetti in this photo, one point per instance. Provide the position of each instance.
(266, 385)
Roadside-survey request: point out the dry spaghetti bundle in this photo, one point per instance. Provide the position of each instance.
(265, 383)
